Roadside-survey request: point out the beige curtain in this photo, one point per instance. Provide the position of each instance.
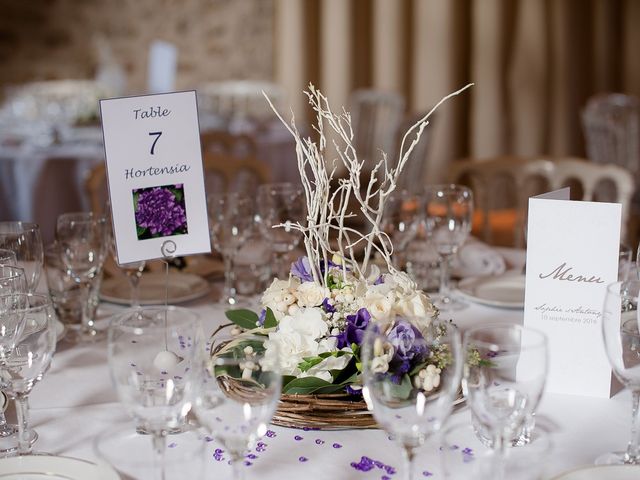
(534, 64)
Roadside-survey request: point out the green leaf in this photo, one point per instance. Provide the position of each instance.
(140, 231)
(270, 319)
(417, 368)
(309, 362)
(286, 379)
(305, 386)
(243, 318)
(403, 390)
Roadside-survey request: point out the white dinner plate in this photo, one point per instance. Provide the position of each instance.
(49, 467)
(183, 287)
(602, 472)
(503, 291)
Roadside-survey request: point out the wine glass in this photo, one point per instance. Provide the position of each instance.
(24, 365)
(411, 371)
(152, 353)
(83, 240)
(449, 212)
(8, 257)
(401, 221)
(25, 240)
(231, 222)
(281, 204)
(132, 270)
(12, 280)
(504, 376)
(239, 392)
(622, 344)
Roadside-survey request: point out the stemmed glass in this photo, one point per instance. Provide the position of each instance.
(401, 220)
(24, 365)
(83, 240)
(152, 353)
(231, 222)
(239, 392)
(622, 344)
(25, 240)
(449, 212)
(504, 376)
(12, 280)
(132, 270)
(281, 204)
(411, 378)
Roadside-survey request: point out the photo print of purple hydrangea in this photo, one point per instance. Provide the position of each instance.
(160, 211)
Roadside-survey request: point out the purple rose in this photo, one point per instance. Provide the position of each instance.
(160, 212)
(354, 331)
(407, 341)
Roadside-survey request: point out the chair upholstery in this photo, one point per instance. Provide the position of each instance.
(503, 185)
(375, 117)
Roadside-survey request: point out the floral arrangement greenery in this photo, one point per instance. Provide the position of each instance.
(160, 211)
(317, 317)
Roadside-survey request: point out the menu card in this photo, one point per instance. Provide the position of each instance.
(155, 174)
(572, 255)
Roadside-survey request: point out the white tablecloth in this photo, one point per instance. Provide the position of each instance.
(75, 402)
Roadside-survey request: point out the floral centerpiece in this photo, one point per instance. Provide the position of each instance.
(317, 317)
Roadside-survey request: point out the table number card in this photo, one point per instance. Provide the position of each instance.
(572, 255)
(155, 174)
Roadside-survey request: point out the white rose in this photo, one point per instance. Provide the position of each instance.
(288, 347)
(378, 305)
(307, 322)
(311, 295)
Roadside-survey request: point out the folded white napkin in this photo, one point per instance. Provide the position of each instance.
(477, 259)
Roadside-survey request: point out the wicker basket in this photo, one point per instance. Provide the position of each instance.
(324, 412)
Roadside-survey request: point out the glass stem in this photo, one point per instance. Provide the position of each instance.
(159, 440)
(134, 283)
(444, 278)
(499, 454)
(88, 323)
(632, 456)
(237, 466)
(229, 289)
(408, 455)
(22, 410)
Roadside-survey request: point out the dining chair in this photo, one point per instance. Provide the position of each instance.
(225, 172)
(375, 118)
(227, 143)
(503, 185)
(413, 177)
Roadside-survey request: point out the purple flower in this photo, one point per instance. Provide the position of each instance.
(158, 210)
(407, 341)
(379, 280)
(301, 268)
(354, 331)
(261, 318)
(327, 307)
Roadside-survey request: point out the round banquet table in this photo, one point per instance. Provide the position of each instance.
(75, 402)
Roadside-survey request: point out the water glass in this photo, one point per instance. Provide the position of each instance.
(504, 376)
(25, 365)
(84, 244)
(465, 457)
(449, 213)
(411, 372)
(8, 257)
(25, 240)
(67, 294)
(239, 392)
(281, 205)
(622, 342)
(401, 221)
(152, 355)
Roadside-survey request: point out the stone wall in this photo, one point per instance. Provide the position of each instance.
(216, 39)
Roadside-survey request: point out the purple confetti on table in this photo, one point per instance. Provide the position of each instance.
(208, 439)
(247, 463)
(337, 445)
(427, 474)
(385, 477)
(319, 441)
(163, 372)
(172, 445)
(270, 434)
(303, 459)
(251, 456)
(389, 469)
(218, 454)
(297, 438)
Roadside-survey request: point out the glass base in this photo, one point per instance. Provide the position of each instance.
(615, 458)
(9, 440)
(131, 454)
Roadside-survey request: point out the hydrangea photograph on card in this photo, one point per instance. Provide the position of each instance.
(160, 211)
